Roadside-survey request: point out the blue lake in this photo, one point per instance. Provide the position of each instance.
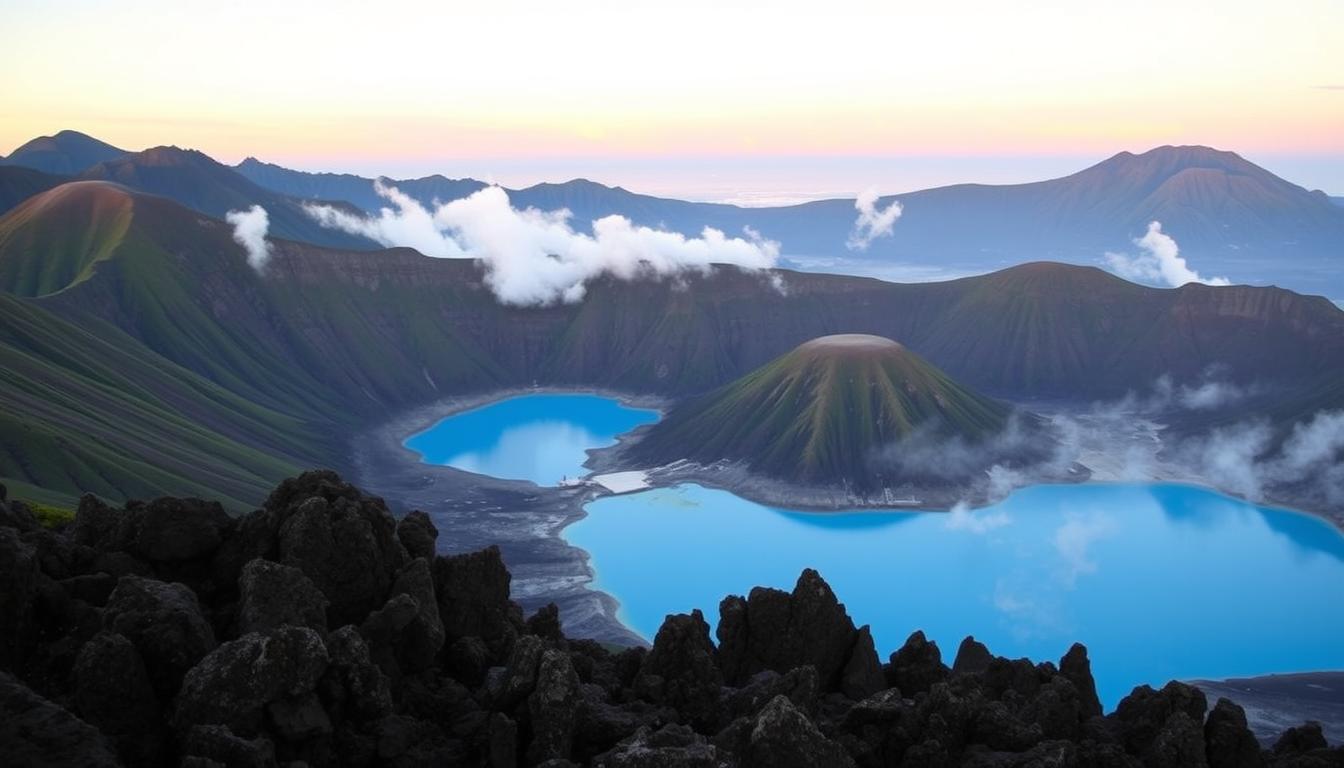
(542, 437)
(1160, 582)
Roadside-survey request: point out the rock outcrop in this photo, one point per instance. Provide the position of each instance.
(319, 631)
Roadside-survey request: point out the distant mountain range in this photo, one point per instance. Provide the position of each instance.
(140, 354)
(1230, 217)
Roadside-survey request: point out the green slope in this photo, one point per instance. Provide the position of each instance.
(822, 412)
(329, 341)
(82, 411)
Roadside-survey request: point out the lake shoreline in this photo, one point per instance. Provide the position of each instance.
(528, 521)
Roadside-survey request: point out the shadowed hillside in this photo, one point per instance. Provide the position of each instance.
(64, 154)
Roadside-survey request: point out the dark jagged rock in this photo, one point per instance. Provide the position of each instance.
(433, 664)
(418, 644)
(1301, 740)
(220, 746)
(418, 534)
(19, 573)
(545, 623)
(972, 657)
(180, 529)
(272, 595)
(783, 737)
(680, 670)
(917, 666)
(776, 630)
(112, 691)
(1228, 742)
(16, 515)
(165, 623)
(1144, 712)
(358, 688)
(672, 746)
(234, 683)
(1076, 667)
(99, 525)
(345, 543)
(473, 595)
(36, 732)
(552, 706)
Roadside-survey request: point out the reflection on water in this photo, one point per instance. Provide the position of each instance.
(542, 438)
(1160, 581)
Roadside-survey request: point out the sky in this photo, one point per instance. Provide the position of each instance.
(709, 99)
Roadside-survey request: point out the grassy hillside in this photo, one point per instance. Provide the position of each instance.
(283, 367)
(822, 412)
(18, 184)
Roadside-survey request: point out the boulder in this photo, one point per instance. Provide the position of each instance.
(672, 746)
(1300, 740)
(418, 644)
(680, 670)
(233, 684)
(363, 691)
(1143, 714)
(217, 745)
(1076, 667)
(473, 595)
(545, 623)
(174, 530)
(972, 657)
(37, 732)
(862, 675)
(271, 595)
(783, 737)
(17, 515)
(298, 718)
(165, 623)
(112, 692)
(418, 534)
(99, 526)
(19, 572)
(916, 666)
(1228, 742)
(777, 630)
(343, 541)
(553, 708)
(1179, 744)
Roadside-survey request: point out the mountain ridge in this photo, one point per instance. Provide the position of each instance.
(334, 339)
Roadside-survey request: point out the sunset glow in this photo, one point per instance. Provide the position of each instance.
(361, 87)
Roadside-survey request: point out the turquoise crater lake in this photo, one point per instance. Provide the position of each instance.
(541, 437)
(1160, 581)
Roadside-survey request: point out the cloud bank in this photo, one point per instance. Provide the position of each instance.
(872, 222)
(249, 231)
(535, 258)
(1160, 263)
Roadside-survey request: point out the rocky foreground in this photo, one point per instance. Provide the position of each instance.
(318, 630)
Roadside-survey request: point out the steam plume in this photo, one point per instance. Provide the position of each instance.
(872, 222)
(1160, 263)
(249, 231)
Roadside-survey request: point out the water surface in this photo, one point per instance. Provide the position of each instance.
(1159, 581)
(541, 437)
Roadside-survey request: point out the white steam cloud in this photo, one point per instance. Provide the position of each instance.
(249, 231)
(872, 222)
(535, 258)
(1160, 263)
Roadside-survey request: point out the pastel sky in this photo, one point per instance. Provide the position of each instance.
(818, 94)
